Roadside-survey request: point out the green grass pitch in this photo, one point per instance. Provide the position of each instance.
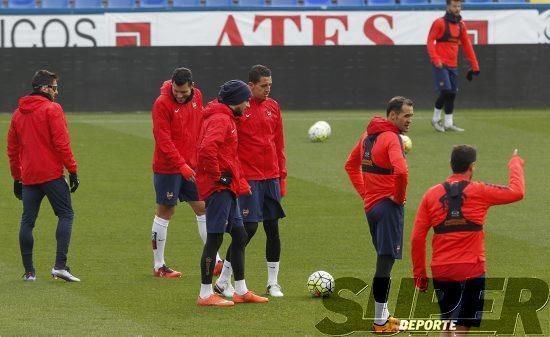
(325, 229)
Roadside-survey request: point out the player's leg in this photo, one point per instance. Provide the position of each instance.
(451, 92)
(386, 225)
(217, 214)
(471, 309)
(250, 212)
(166, 188)
(239, 239)
(381, 288)
(189, 193)
(441, 79)
(59, 197)
(272, 212)
(449, 295)
(32, 197)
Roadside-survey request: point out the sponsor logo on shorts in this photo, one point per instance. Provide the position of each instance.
(169, 195)
(246, 211)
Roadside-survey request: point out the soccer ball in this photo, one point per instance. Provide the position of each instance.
(320, 283)
(319, 132)
(407, 143)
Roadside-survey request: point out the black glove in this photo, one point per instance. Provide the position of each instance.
(73, 181)
(18, 189)
(470, 75)
(225, 179)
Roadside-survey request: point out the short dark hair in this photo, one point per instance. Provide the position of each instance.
(180, 76)
(257, 72)
(396, 104)
(461, 158)
(43, 77)
(449, 1)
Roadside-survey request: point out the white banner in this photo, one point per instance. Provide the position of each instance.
(300, 28)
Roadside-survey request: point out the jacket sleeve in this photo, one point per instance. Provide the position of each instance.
(60, 137)
(280, 147)
(214, 136)
(436, 30)
(515, 191)
(400, 170)
(353, 169)
(418, 239)
(13, 150)
(163, 135)
(468, 49)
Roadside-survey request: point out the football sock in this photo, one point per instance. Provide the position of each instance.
(272, 272)
(240, 287)
(206, 290)
(225, 276)
(160, 231)
(437, 115)
(201, 224)
(381, 313)
(448, 120)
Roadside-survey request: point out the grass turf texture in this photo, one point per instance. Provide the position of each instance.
(325, 229)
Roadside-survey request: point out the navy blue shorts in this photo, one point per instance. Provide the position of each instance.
(386, 223)
(264, 203)
(171, 187)
(222, 212)
(446, 79)
(461, 301)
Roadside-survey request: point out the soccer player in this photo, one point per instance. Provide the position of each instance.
(456, 210)
(220, 183)
(177, 117)
(262, 156)
(378, 170)
(444, 38)
(38, 149)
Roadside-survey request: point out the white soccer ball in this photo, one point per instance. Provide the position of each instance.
(320, 283)
(407, 143)
(319, 132)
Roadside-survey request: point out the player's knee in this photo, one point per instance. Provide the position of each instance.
(251, 228)
(239, 237)
(165, 212)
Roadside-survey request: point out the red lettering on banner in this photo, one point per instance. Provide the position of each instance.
(232, 31)
(373, 34)
(320, 37)
(478, 31)
(134, 34)
(277, 26)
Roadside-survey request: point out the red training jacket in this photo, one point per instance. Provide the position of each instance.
(446, 53)
(217, 152)
(175, 128)
(387, 153)
(261, 141)
(38, 141)
(465, 249)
